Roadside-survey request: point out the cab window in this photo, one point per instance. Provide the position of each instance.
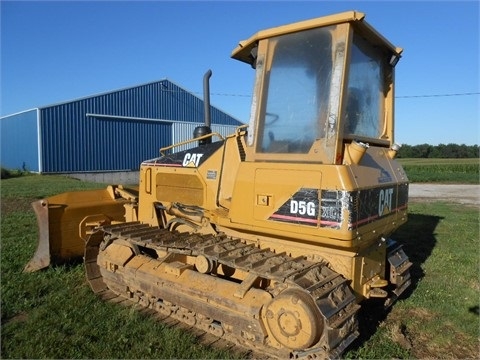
(365, 97)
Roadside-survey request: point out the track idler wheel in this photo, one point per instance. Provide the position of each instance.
(294, 320)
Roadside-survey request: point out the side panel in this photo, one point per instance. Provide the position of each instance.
(299, 206)
(348, 207)
(284, 200)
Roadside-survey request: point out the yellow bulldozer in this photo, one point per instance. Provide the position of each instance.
(273, 236)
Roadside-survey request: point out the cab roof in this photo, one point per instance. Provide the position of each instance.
(243, 50)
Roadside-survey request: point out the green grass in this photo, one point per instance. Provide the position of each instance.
(440, 316)
(461, 171)
(54, 314)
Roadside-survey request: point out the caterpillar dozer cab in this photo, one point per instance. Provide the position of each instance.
(271, 237)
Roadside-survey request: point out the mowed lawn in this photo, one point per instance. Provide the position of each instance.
(54, 314)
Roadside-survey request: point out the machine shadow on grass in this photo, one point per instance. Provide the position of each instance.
(418, 238)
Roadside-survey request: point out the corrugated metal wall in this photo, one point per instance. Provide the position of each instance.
(74, 142)
(19, 141)
(92, 144)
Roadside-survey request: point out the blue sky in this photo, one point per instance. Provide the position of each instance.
(58, 51)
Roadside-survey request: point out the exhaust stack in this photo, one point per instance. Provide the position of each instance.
(206, 98)
(205, 129)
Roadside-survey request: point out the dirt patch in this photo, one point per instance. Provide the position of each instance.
(421, 344)
(9, 205)
(20, 317)
(459, 347)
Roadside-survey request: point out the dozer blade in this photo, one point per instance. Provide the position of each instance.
(65, 221)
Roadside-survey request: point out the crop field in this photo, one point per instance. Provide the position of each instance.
(463, 171)
(54, 314)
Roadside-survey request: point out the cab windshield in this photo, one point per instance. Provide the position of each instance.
(299, 81)
(304, 76)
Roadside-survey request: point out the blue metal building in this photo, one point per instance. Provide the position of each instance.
(113, 131)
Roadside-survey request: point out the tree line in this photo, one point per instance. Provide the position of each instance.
(448, 151)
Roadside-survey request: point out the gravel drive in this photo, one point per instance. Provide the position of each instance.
(463, 194)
